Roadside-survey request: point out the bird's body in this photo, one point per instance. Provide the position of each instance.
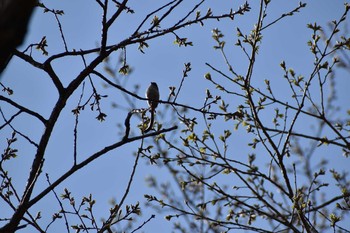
(152, 94)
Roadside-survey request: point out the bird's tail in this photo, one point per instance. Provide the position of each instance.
(150, 125)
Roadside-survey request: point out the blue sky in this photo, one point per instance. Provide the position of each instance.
(162, 62)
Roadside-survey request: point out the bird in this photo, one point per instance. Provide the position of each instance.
(14, 21)
(152, 94)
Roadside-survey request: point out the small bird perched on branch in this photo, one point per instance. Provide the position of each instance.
(14, 19)
(152, 94)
